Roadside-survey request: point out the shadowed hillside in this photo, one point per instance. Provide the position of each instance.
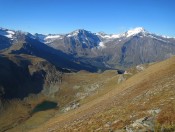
(21, 75)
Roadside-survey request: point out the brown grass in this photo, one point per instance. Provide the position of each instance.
(14, 112)
(150, 89)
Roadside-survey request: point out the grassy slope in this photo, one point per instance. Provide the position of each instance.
(150, 89)
(72, 84)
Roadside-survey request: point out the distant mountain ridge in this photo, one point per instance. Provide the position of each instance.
(11, 34)
(93, 51)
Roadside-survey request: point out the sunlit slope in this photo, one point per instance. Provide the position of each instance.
(136, 98)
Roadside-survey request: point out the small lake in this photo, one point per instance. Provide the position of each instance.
(46, 105)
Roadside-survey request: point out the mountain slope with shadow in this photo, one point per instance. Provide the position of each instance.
(29, 46)
(21, 75)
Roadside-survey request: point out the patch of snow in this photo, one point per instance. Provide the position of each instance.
(158, 38)
(53, 37)
(115, 36)
(111, 36)
(129, 33)
(75, 33)
(104, 36)
(166, 36)
(9, 36)
(11, 32)
(101, 45)
(69, 35)
(7, 33)
(135, 31)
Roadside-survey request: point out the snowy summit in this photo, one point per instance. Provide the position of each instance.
(135, 31)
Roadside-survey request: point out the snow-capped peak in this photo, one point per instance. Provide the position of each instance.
(7, 33)
(77, 32)
(135, 31)
(129, 33)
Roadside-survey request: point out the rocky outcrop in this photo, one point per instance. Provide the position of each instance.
(71, 106)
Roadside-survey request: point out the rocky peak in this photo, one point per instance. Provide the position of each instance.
(79, 32)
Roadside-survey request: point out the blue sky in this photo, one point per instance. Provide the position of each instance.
(110, 16)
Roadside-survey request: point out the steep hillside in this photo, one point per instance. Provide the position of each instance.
(21, 75)
(144, 102)
(4, 42)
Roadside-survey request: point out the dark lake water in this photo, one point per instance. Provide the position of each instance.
(46, 105)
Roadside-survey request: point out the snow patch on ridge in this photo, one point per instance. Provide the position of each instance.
(7, 33)
(69, 35)
(106, 36)
(53, 37)
(158, 38)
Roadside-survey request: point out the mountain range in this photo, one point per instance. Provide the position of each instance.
(84, 50)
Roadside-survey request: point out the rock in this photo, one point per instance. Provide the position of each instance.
(108, 124)
(143, 123)
(140, 67)
(154, 111)
(71, 106)
(121, 79)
